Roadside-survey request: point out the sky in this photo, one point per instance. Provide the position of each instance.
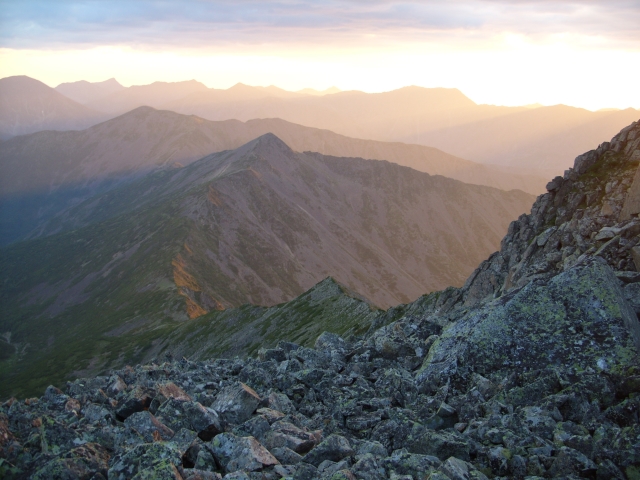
(584, 54)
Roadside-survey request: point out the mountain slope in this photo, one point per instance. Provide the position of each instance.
(528, 371)
(46, 172)
(28, 105)
(147, 138)
(377, 116)
(547, 138)
(86, 92)
(543, 139)
(258, 224)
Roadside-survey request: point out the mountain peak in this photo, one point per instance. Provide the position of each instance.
(270, 144)
(20, 83)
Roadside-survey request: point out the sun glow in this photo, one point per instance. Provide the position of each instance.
(508, 69)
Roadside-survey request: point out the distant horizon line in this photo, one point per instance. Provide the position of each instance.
(334, 87)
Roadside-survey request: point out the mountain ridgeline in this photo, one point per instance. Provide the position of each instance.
(531, 369)
(46, 172)
(524, 140)
(27, 105)
(260, 224)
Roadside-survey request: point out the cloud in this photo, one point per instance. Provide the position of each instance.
(38, 24)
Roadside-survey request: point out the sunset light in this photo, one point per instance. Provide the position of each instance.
(502, 53)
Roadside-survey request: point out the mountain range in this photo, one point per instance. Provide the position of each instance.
(86, 92)
(259, 224)
(529, 370)
(542, 140)
(45, 172)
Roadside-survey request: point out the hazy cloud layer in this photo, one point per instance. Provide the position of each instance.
(42, 24)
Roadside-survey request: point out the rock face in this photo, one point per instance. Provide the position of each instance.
(531, 370)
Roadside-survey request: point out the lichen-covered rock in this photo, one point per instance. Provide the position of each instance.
(401, 462)
(578, 318)
(83, 462)
(147, 461)
(148, 427)
(285, 434)
(236, 403)
(334, 448)
(195, 474)
(457, 469)
(136, 400)
(240, 453)
(191, 415)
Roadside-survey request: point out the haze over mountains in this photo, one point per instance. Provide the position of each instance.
(86, 92)
(542, 139)
(259, 224)
(27, 105)
(45, 172)
(437, 117)
(545, 138)
(155, 217)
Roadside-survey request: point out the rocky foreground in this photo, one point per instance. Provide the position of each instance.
(531, 370)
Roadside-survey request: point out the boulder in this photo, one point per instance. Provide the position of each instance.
(148, 427)
(236, 403)
(334, 448)
(83, 462)
(137, 400)
(147, 461)
(285, 434)
(540, 325)
(457, 469)
(631, 205)
(401, 462)
(191, 415)
(240, 453)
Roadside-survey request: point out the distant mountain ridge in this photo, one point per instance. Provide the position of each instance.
(155, 95)
(541, 140)
(86, 92)
(45, 172)
(28, 105)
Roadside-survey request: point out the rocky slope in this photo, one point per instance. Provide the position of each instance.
(260, 224)
(530, 370)
(45, 173)
(28, 105)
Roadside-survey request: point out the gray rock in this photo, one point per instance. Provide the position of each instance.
(286, 456)
(137, 400)
(191, 415)
(149, 460)
(236, 403)
(334, 448)
(572, 462)
(285, 434)
(240, 453)
(632, 202)
(148, 427)
(368, 468)
(305, 471)
(195, 474)
(457, 469)
(535, 326)
(404, 463)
